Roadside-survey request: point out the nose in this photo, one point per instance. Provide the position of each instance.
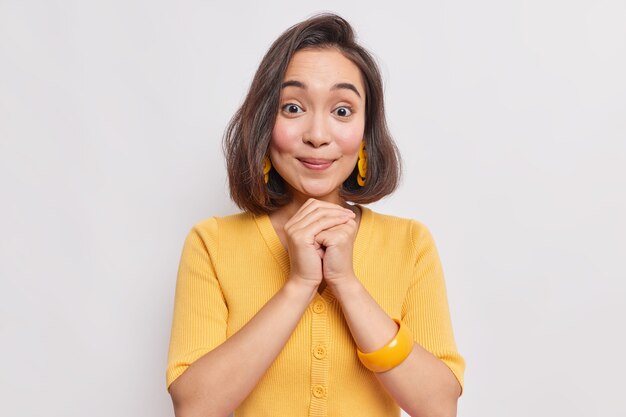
(317, 133)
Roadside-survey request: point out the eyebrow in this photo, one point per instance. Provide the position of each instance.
(338, 86)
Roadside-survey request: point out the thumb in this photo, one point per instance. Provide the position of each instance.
(319, 248)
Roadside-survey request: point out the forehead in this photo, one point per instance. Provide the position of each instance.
(323, 67)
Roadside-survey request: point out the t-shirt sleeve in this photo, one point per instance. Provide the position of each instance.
(200, 311)
(425, 310)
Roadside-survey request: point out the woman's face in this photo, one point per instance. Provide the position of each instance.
(320, 123)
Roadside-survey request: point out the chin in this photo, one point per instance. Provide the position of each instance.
(318, 191)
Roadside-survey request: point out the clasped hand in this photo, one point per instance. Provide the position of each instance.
(320, 240)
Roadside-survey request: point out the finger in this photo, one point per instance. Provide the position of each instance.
(319, 225)
(306, 208)
(303, 208)
(334, 235)
(312, 213)
(312, 204)
(316, 215)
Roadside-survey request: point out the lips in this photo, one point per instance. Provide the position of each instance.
(317, 164)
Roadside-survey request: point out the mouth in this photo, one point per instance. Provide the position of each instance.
(316, 164)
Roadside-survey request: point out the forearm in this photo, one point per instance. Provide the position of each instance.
(422, 384)
(216, 383)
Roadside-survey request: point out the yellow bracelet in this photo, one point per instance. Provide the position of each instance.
(391, 355)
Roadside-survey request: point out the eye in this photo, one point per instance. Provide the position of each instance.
(343, 111)
(292, 108)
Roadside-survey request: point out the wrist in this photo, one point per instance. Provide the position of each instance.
(345, 286)
(299, 289)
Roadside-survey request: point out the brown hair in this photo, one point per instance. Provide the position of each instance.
(248, 135)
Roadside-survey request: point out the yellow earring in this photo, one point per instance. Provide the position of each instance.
(267, 166)
(362, 165)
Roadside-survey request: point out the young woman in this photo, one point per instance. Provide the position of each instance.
(308, 303)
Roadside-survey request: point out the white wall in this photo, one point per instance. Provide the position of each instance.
(511, 119)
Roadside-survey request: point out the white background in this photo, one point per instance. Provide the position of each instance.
(511, 118)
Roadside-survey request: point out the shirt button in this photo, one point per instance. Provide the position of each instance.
(319, 306)
(319, 352)
(319, 391)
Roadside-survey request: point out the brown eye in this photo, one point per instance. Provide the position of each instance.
(292, 108)
(343, 111)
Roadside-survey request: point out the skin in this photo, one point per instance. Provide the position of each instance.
(314, 147)
(321, 120)
(319, 231)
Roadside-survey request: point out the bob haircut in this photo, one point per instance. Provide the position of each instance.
(248, 134)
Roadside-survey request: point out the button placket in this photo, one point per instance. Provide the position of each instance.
(319, 306)
(320, 351)
(319, 358)
(319, 391)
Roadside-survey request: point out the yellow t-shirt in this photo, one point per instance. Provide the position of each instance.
(231, 266)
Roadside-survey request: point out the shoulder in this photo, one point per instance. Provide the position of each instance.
(411, 231)
(211, 224)
(211, 229)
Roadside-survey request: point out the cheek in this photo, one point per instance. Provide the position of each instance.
(350, 138)
(284, 136)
